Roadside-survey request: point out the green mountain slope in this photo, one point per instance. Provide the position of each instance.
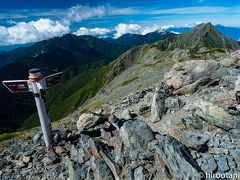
(68, 96)
(79, 57)
(60, 52)
(70, 53)
(194, 44)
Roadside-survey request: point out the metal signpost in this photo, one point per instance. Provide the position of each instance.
(37, 84)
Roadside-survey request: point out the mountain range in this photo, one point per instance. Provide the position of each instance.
(68, 53)
(99, 66)
(230, 32)
(131, 40)
(84, 60)
(143, 66)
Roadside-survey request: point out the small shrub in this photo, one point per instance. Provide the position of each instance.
(92, 107)
(129, 81)
(7, 136)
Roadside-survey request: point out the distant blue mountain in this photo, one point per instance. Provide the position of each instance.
(11, 47)
(230, 32)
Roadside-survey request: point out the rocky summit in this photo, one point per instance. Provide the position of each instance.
(184, 127)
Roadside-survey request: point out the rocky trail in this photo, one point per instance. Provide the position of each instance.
(182, 128)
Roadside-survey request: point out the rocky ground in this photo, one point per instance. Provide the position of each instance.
(182, 128)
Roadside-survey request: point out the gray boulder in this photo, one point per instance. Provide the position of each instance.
(125, 114)
(90, 120)
(75, 171)
(216, 115)
(36, 138)
(196, 140)
(136, 135)
(158, 105)
(222, 163)
(192, 88)
(177, 158)
(173, 103)
(236, 155)
(138, 173)
(77, 154)
(188, 72)
(98, 169)
(228, 62)
(50, 158)
(207, 163)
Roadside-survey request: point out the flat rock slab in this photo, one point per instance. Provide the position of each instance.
(177, 158)
(216, 115)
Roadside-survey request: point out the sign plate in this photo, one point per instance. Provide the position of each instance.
(18, 86)
(53, 79)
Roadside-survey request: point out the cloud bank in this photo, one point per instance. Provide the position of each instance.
(32, 31)
(127, 28)
(45, 28)
(94, 31)
(57, 22)
(122, 29)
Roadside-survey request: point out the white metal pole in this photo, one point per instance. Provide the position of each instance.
(43, 119)
(35, 77)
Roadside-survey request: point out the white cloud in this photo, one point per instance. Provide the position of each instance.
(167, 26)
(44, 28)
(78, 13)
(32, 31)
(127, 28)
(187, 25)
(175, 32)
(122, 29)
(146, 30)
(94, 31)
(198, 22)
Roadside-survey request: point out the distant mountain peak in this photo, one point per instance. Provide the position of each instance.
(205, 28)
(206, 25)
(161, 31)
(203, 35)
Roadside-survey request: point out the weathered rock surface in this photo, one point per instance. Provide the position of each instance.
(89, 120)
(182, 128)
(216, 115)
(158, 108)
(186, 73)
(177, 159)
(135, 136)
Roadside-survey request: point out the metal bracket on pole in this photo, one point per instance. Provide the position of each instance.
(37, 84)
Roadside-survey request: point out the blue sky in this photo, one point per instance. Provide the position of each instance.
(30, 20)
